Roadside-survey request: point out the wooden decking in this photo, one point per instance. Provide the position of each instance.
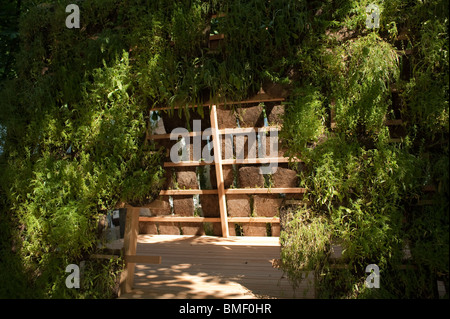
(202, 267)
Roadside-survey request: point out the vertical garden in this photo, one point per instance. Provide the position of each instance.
(367, 112)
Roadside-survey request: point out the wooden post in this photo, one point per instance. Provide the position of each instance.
(129, 248)
(219, 172)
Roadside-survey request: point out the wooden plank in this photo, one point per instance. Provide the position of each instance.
(129, 248)
(246, 130)
(262, 160)
(256, 99)
(219, 172)
(271, 220)
(239, 130)
(189, 192)
(186, 163)
(216, 37)
(175, 219)
(213, 267)
(247, 241)
(284, 190)
(143, 259)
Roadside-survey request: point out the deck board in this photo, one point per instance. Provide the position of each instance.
(201, 267)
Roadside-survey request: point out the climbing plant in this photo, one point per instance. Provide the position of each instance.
(75, 107)
(360, 184)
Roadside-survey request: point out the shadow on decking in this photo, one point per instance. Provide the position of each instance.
(211, 267)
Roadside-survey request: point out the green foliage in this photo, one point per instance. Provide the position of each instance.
(75, 107)
(304, 243)
(73, 147)
(305, 119)
(360, 185)
(362, 100)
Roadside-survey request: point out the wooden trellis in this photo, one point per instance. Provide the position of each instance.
(221, 191)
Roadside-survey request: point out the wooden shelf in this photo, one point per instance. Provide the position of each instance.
(284, 190)
(188, 192)
(273, 220)
(234, 191)
(244, 130)
(174, 219)
(265, 160)
(178, 219)
(216, 37)
(186, 163)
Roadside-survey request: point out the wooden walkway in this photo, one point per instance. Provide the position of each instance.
(200, 267)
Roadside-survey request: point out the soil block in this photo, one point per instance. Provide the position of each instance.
(168, 228)
(186, 178)
(148, 228)
(192, 229)
(164, 210)
(250, 176)
(255, 229)
(238, 205)
(183, 205)
(228, 176)
(281, 148)
(276, 115)
(210, 205)
(284, 177)
(225, 118)
(251, 116)
(275, 230)
(266, 205)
